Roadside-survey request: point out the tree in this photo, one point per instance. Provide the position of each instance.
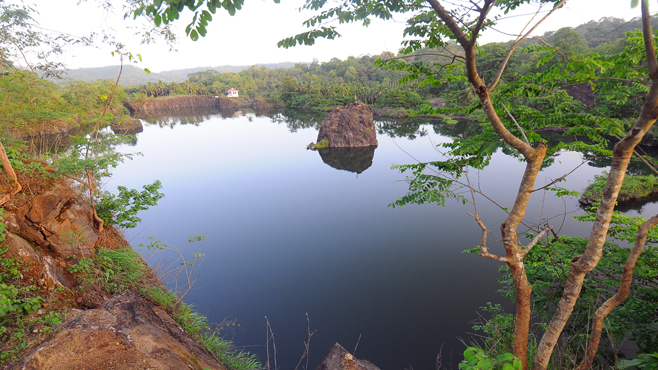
(435, 24)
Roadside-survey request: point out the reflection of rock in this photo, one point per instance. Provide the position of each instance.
(339, 359)
(349, 159)
(124, 333)
(127, 126)
(349, 126)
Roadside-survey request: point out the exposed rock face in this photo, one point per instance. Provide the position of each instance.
(150, 106)
(582, 92)
(129, 126)
(349, 126)
(348, 159)
(260, 104)
(227, 103)
(55, 219)
(339, 359)
(20, 248)
(123, 333)
(53, 276)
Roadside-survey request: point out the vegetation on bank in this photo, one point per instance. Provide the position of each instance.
(30, 104)
(633, 188)
(536, 98)
(30, 313)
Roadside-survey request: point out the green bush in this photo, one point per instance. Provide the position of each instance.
(477, 359)
(393, 98)
(122, 209)
(633, 187)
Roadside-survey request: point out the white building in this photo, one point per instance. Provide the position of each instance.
(232, 93)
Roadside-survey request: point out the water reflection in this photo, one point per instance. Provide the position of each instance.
(348, 159)
(290, 236)
(297, 119)
(185, 116)
(58, 143)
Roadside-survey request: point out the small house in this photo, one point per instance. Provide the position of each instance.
(232, 93)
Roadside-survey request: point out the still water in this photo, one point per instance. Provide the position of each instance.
(294, 232)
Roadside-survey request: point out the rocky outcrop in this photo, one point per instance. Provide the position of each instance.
(56, 219)
(339, 359)
(227, 103)
(150, 106)
(261, 104)
(19, 248)
(124, 333)
(127, 126)
(349, 126)
(582, 92)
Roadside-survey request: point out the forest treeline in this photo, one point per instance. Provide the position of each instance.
(336, 82)
(323, 85)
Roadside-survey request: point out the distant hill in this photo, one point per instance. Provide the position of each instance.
(132, 75)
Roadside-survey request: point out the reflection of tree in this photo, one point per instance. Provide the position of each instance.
(636, 204)
(183, 116)
(348, 159)
(635, 167)
(463, 129)
(58, 143)
(409, 128)
(296, 119)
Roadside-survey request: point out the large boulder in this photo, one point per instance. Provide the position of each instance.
(340, 359)
(349, 127)
(124, 333)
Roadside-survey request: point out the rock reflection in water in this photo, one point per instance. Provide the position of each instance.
(349, 159)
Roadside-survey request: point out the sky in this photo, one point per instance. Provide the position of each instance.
(250, 37)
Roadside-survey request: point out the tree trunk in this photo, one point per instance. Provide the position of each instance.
(620, 296)
(12, 175)
(621, 157)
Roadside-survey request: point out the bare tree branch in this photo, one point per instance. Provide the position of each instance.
(562, 177)
(501, 69)
(517, 124)
(534, 241)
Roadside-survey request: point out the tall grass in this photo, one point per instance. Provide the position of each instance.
(198, 327)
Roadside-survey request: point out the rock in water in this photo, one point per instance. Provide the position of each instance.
(350, 126)
(339, 359)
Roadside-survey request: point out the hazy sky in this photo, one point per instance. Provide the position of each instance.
(251, 35)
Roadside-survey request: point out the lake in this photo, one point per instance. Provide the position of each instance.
(293, 232)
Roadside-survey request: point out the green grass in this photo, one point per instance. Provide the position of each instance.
(634, 187)
(198, 327)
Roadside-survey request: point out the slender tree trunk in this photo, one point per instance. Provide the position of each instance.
(620, 296)
(621, 157)
(10, 172)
